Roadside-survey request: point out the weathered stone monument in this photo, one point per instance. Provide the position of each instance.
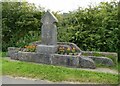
(46, 50)
(49, 29)
(49, 34)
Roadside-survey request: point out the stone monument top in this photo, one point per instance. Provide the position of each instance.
(48, 18)
(49, 29)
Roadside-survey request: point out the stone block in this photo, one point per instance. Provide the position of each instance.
(49, 34)
(111, 55)
(86, 62)
(33, 57)
(46, 49)
(26, 56)
(49, 29)
(42, 58)
(102, 60)
(64, 60)
(13, 52)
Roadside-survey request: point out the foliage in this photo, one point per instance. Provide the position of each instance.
(55, 73)
(118, 33)
(18, 18)
(93, 28)
(29, 37)
(3, 54)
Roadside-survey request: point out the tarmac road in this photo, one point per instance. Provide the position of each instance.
(13, 80)
(21, 80)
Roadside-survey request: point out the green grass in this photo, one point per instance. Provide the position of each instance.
(0, 67)
(3, 54)
(119, 72)
(55, 73)
(115, 67)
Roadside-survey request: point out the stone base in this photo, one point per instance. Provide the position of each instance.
(46, 54)
(46, 49)
(64, 60)
(31, 57)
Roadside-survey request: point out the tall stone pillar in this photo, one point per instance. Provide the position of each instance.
(48, 34)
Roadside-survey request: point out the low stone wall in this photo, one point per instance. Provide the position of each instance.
(59, 59)
(14, 53)
(110, 55)
(55, 59)
(64, 60)
(33, 57)
(72, 61)
(101, 60)
(86, 62)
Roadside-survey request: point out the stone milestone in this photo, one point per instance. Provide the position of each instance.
(49, 29)
(49, 34)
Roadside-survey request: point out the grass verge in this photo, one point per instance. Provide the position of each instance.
(55, 73)
(115, 67)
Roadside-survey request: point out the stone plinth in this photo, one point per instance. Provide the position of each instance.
(46, 49)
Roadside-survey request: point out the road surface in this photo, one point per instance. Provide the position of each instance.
(21, 80)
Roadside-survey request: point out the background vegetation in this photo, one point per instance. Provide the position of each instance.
(18, 19)
(95, 28)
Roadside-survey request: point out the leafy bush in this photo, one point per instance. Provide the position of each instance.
(3, 54)
(93, 28)
(17, 20)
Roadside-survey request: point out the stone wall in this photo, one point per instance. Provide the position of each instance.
(15, 54)
(110, 55)
(55, 59)
(102, 60)
(76, 61)
(64, 60)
